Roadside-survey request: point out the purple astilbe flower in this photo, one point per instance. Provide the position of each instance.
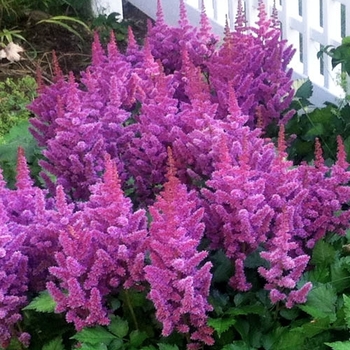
(73, 154)
(167, 42)
(39, 220)
(13, 278)
(102, 251)
(254, 63)
(84, 122)
(48, 106)
(237, 202)
(41, 244)
(284, 269)
(328, 192)
(179, 282)
(145, 155)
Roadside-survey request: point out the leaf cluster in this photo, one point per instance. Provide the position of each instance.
(15, 95)
(339, 54)
(104, 24)
(309, 123)
(247, 321)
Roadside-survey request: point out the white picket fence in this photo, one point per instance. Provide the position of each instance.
(307, 24)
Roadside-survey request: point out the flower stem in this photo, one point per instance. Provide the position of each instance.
(132, 313)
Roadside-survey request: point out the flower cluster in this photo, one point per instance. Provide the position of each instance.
(128, 104)
(13, 279)
(84, 240)
(179, 285)
(103, 250)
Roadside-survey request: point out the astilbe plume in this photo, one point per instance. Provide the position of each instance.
(13, 280)
(101, 252)
(285, 269)
(31, 240)
(178, 278)
(238, 216)
(145, 156)
(110, 110)
(329, 191)
(83, 122)
(166, 41)
(253, 60)
(38, 219)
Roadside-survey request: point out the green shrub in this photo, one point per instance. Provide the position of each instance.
(15, 95)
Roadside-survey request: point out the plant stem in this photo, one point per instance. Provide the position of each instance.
(128, 302)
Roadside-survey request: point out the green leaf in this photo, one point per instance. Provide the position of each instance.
(119, 327)
(42, 303)
(221, 325)
(289, 340)
(321, 302)
(310, 329)
(347, 309)
(238, 345)
(223, 268)
(55, 344)
(346, 40)
(163, 346)
(304, 88)
(256, 308)
(315, 131)
(323, 253)
(338, 345)
(94, 336)
(340, 278)
(137, 338)
(116, 344)
(88, 346)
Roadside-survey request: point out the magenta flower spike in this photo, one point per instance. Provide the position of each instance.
(179, 286)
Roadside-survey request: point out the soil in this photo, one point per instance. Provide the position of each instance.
(73, 53)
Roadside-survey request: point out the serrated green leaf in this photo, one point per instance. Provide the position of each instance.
(42, 303)
(304, 88)
(221, 325)
(340, 278)
(315, 131)
(137, 338)
(347, 309)
(163, 346)
(238, 345)
(88, 346)
(94, 336)
(338, 345)
(119, 327)
(257, 309)
(55, 344)
(310, 329)
(323, 253)
(116, 344)
(321, 302)
(290, 314)
(289, 340)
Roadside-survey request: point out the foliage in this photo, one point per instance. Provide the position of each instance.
(166, 220)
(61, 21)
(104, 24)
(339, 54)
(324, 123)
(15, 95)
(7, 36)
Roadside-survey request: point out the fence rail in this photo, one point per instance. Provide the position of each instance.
(308, 25)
